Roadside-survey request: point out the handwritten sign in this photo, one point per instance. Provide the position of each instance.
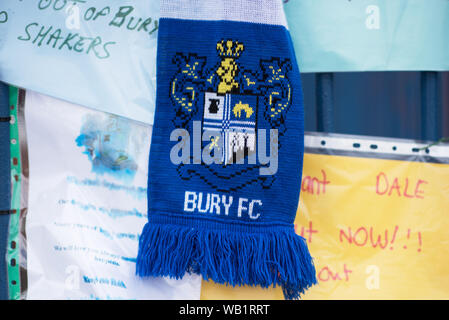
(383, 187)
(97, 54)
(87, 206)
(3, 16)
(376, 228)
(380, 228)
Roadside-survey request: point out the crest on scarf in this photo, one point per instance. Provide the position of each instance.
(234, 102)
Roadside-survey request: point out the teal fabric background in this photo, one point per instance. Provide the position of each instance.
(369, 35)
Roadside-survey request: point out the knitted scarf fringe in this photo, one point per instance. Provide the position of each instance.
(227, 257)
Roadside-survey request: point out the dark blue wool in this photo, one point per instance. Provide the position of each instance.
(226, 221)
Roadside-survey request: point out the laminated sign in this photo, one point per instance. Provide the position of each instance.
(83, 203)
(374, 213)
(99, 54)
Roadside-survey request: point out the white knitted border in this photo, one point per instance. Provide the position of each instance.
(256, 11)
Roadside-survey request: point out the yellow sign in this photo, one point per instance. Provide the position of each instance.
(378, 229)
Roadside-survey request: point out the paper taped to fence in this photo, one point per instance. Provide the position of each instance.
(375, 218)
(87, 205)
(99, 54)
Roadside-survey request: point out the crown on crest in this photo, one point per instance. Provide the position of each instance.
(229, 48)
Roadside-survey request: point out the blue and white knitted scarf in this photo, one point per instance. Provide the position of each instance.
(227, 148)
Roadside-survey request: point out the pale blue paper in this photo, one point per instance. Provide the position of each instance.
(328, 35)
(123, 84)
(342, 35)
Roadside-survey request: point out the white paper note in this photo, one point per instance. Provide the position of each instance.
(87, 205)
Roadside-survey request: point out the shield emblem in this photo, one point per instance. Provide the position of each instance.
(234, 118)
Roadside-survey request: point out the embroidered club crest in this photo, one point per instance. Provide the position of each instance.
(234, 116)
(234, 103)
